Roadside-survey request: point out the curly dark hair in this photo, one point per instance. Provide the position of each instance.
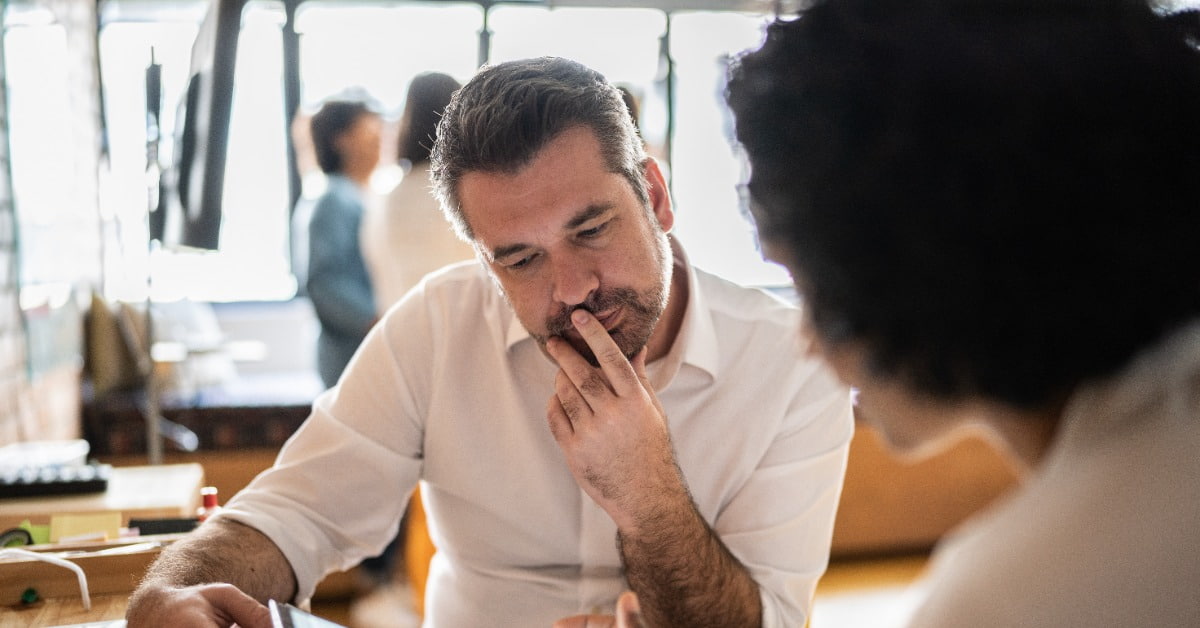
(428, 95)
(334, 118)
(508, 112)
(996, 198)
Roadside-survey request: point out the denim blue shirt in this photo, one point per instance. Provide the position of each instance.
(338, 283)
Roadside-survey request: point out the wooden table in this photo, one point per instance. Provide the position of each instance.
(163, 491)
(107, 610)
(113, 570)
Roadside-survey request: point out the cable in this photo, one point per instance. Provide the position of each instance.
(54, 560)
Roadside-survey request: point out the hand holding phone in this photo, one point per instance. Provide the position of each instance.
(284, 615)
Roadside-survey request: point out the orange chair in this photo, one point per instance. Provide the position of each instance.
(418, 550)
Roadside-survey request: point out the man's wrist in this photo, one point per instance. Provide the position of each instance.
(666, 513)
(657, 505)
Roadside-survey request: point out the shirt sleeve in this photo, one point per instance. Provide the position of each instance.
(338, 283)
(780, 523)
(341, 483)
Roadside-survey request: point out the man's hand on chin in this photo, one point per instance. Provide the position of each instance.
(612, 428)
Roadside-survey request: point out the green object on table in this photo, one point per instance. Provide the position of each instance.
(40, 533)
(29, 596)
(15, 537)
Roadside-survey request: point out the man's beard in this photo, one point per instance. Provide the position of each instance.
(639, 315)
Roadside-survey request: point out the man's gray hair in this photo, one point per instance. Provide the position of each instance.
(506, 114)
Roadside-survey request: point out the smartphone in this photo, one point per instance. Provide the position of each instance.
(284, 615)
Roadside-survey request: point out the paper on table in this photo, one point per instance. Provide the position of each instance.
(67, 528)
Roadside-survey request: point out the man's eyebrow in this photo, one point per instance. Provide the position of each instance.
(589, 213)
(507, 250)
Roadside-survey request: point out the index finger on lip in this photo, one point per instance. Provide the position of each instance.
(614, 363)
(589, 382)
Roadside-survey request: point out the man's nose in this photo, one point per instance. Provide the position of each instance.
(574, 281)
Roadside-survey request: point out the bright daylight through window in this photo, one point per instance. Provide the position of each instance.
(375, 49)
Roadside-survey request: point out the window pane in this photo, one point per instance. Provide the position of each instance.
(254, 250)
(125, 51)
(252, 263)
(42, 156)
(706, 169)
(622, 44)
(380, 48)
(371, 51)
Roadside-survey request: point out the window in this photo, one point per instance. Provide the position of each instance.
(126, 49)
(51, 149)
(374, 51)
(252, 263)
(375, 48)
(254, 257)
(379, 49)
(706, 168)
(47, 173)
(622, 44)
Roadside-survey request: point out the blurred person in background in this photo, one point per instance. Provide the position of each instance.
(408, 236)
(346, 140)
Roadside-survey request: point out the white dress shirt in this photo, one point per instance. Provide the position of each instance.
(451, 390)
(1105, 531)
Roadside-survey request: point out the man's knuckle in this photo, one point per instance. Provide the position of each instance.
(570, 408)
(593, 384)
(610, 354)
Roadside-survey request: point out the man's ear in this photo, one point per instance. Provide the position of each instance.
(660, 198)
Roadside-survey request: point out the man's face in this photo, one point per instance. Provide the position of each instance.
(565, 233)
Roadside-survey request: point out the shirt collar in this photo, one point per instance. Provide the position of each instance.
(695, 345)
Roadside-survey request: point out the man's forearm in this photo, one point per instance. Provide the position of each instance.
(225, 551)
(685, 576)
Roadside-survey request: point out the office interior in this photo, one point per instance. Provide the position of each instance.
(107, 317)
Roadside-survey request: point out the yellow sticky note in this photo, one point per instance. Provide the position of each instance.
(91, 526)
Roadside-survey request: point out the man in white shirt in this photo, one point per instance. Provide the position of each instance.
(586, 411)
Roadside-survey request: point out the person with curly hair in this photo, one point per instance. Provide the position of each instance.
(991, 209)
